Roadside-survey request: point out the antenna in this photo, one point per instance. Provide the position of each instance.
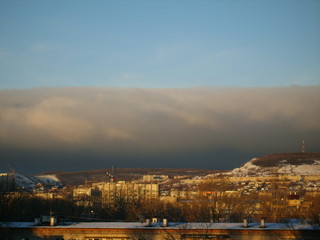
(302, 147)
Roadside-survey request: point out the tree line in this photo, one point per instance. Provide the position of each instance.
(225, 208)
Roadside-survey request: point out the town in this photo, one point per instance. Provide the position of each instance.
(218, 197)
(221, 199)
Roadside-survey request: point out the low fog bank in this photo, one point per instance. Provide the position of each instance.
(87, 128)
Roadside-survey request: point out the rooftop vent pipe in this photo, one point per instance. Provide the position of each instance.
(165, 222)
(148, 223)
(53, 221)
(262, 223)
(245, 223)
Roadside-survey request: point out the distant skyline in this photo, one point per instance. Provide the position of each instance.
(159, 44)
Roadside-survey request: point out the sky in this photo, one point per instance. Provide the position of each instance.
(200, 84)
(159, 44)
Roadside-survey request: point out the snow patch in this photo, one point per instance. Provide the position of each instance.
(49, 177)
(24, 181)
(284, 167)
(32, 182)
(304, 169)
(172, 225)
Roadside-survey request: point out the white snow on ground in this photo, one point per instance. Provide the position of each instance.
(284, 168)
(31, 181)
(246, 168)
(24, 181)
(305, 169)
(48, 177)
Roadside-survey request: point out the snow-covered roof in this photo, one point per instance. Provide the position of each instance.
(172, 225)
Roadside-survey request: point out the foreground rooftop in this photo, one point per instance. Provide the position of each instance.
(159, 225)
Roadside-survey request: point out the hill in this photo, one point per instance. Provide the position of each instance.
(272, 164)
(283, 163)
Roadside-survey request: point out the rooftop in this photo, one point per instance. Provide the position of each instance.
(172, 225)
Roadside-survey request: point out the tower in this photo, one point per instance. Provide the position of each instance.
(302, 147)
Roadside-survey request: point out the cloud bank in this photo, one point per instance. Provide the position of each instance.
(77, 128)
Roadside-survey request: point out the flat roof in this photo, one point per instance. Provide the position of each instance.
(171, 225)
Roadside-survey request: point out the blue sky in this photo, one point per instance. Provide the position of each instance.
(159, 44)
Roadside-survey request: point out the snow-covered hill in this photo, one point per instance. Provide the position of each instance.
(36, 182)
(275, 164)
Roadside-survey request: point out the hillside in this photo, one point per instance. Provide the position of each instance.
(284, 163)
(273, 160)
(124, 174)
(30, 183)
(272, 164)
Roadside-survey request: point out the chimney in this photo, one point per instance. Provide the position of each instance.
(53, 221)
(148, 223)
(262, 223)
(165, 222)
(245, 223)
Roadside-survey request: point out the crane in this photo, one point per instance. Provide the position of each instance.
(11, 169)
